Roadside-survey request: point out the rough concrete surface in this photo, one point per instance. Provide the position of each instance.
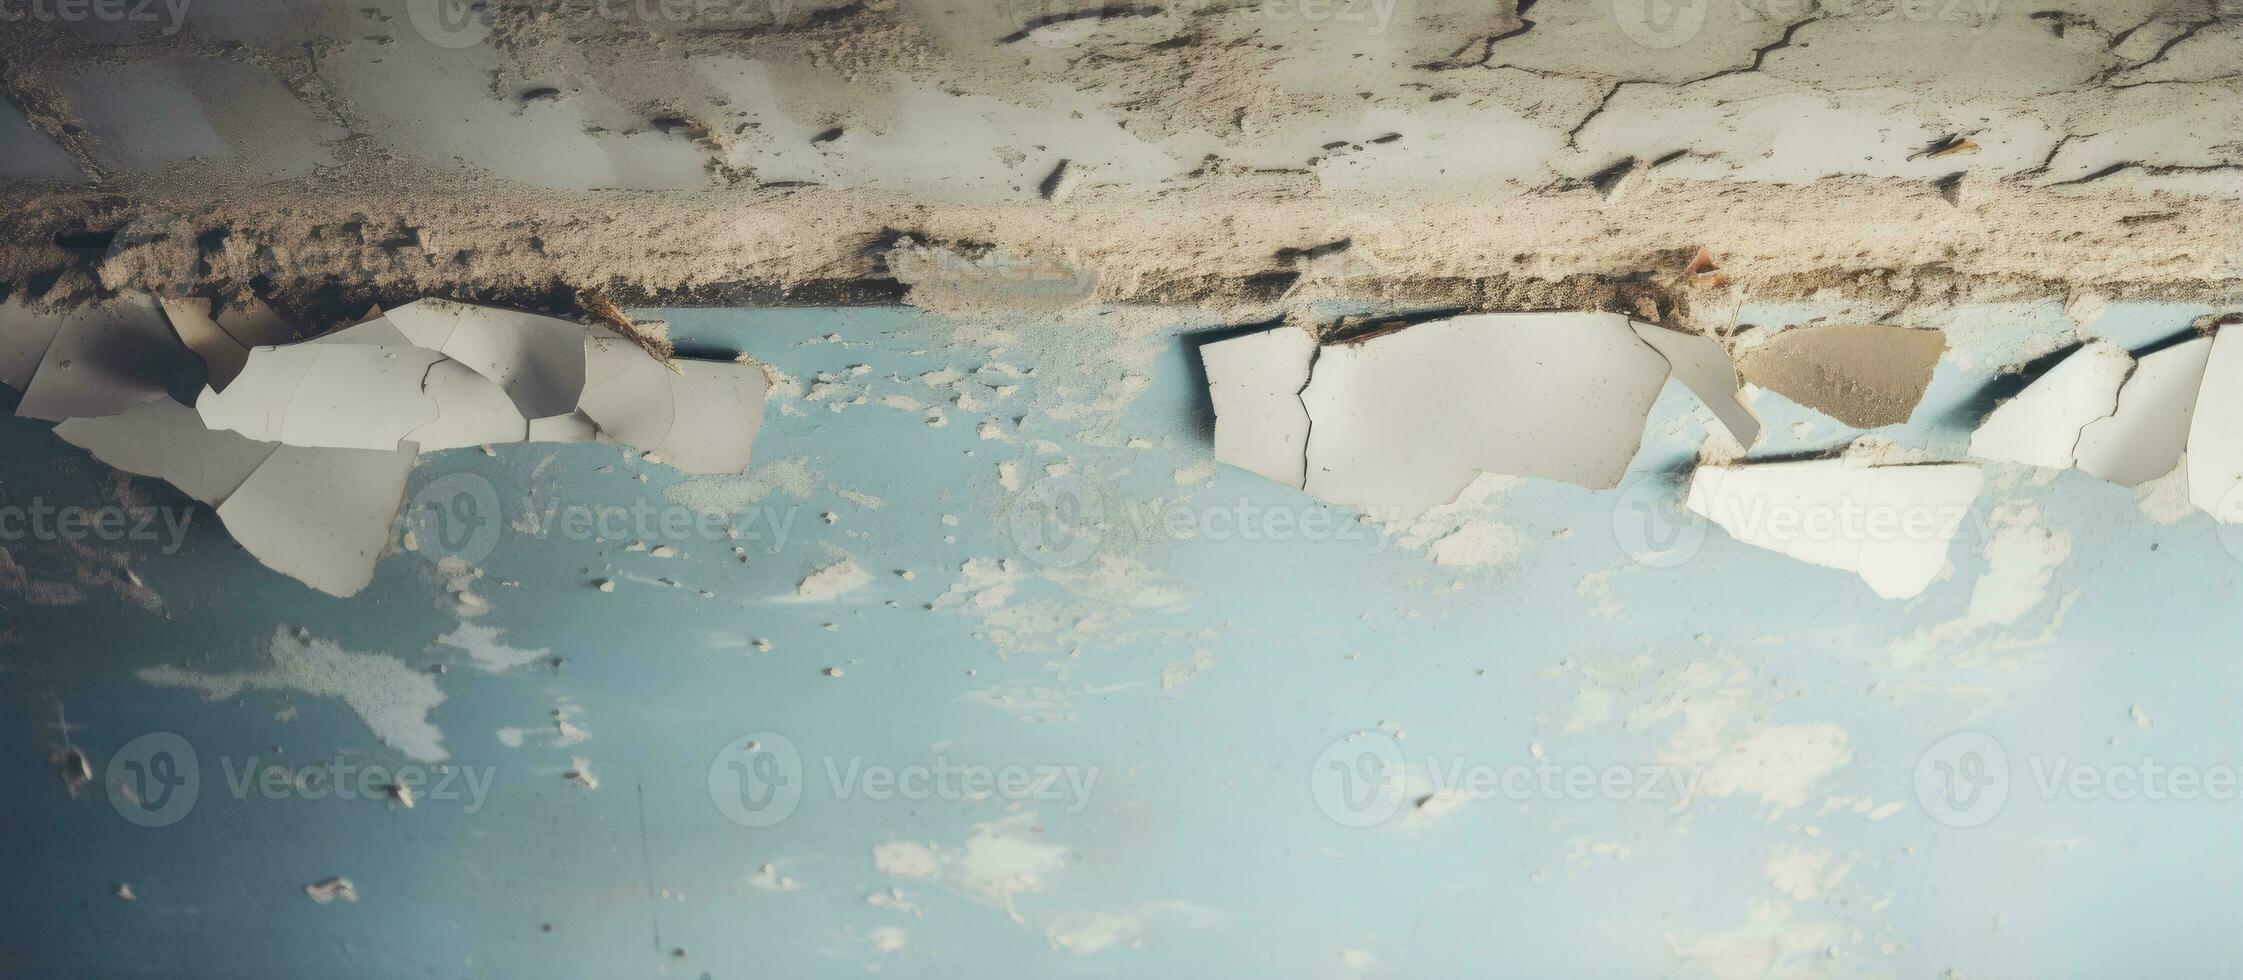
(1228, 152)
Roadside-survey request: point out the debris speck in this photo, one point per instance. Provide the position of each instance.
(74, 769)
(328, 890)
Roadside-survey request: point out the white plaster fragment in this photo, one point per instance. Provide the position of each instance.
(329, 890)
(2215, 438)
(829, 582)
(1407, 419)
(1703, 366)
(1255, 382)
(1889, 524)
(168, 441)
(320, 516)
(2041, 426)
(2143, 438)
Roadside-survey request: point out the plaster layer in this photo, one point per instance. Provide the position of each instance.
(1446, 152)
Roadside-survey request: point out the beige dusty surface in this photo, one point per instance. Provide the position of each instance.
(1242, 155)
(1863, 375)
(1217, 246)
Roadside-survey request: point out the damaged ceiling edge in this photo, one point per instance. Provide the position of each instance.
(1557, 396)
(823, 247)
(305, 449)
(1403, 416)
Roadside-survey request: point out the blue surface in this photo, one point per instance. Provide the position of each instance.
(1201, 849)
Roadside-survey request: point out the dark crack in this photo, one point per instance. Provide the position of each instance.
(1759, 58)
(2148, 168)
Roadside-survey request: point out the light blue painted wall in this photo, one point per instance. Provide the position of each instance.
(1201, 844)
